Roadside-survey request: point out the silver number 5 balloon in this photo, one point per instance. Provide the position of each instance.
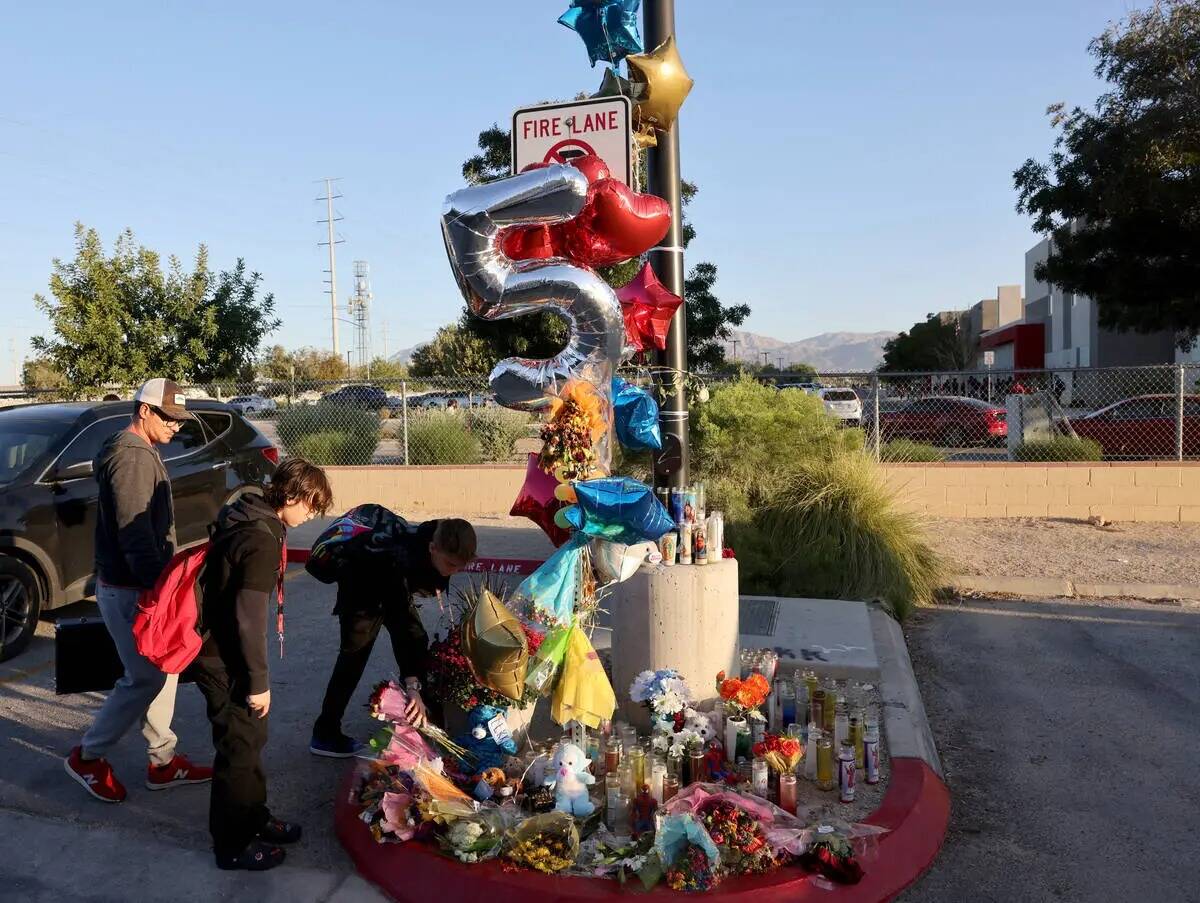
(497, 287)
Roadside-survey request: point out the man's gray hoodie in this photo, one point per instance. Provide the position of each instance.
(135, 516)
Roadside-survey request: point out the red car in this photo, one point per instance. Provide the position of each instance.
(1143, 427)
(950, 421)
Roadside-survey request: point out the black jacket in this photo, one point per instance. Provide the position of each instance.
(384, 584)
(135, 516)
(240, 571)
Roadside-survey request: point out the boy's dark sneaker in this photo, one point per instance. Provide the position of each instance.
(341, 747)
(257, 857)
(95, 776)
(179, 772)
(276, 831)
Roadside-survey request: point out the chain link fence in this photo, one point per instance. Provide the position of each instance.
(1093, 414)
(1120, 413)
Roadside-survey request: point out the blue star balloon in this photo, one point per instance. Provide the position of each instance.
(608, 28)
(618, 509)
(635, 415)
(554, 586)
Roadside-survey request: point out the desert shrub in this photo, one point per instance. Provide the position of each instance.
(833, 529)
(498, 430)
(329, 434)
(441, 437)
(1062, 448)
(903, 451)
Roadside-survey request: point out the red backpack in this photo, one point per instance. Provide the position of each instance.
(164, 627)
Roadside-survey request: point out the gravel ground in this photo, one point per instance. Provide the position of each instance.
(1075, 550)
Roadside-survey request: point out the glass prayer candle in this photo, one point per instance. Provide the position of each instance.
(612, 755)
(627, 779)
(817, 707)
(825, 773)
(810, 752)
(856, 740)
(658, 777)
(787, 793)
(759, 778)
(670, 787)
(637, 758)
(675, 766)
(829, 710)
(697, 771)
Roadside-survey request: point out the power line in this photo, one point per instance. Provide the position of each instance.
(332, 243)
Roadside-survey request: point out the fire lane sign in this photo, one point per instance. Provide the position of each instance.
(559, 132)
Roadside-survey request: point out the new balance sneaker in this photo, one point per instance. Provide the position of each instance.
(276, 831)
(340, 747)
(95, 776)
(257, 857)
(176, 773)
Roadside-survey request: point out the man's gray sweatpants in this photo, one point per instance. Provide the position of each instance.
(144, 693)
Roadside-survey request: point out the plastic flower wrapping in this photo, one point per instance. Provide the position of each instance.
(783, 754)
(547, 843)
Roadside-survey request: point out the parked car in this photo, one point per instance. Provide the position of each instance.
(950, 421)
(843, 404)
(253, 404)
(48, 514)
(809, 388)
(366, 398)
(1143, 427)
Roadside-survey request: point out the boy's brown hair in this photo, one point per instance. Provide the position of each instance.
(456, 538)
(300, 480)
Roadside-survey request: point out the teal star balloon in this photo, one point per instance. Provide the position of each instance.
(608, 28)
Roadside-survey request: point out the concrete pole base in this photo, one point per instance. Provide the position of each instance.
(683, 617)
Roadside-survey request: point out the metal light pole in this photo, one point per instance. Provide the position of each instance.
(671, 464)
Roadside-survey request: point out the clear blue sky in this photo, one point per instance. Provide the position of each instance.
(854, 159)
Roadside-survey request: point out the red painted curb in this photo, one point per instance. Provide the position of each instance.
(916, 809)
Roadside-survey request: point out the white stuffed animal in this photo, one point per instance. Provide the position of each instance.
(701, 724)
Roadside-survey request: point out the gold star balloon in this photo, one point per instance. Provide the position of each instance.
(664, 83)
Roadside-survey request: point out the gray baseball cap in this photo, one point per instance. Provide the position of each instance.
(165, 395)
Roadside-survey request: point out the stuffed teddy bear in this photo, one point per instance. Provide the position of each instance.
(478, 741)
(570, 771)
(701, 724)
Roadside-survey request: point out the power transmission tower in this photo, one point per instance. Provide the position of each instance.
(360, 314)
(332, 243)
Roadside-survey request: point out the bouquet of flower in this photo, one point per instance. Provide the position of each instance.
(679, 743)
(783, 754)
(830, 855)
(548, 843)
(451, 679)
(476, 838)
(743, 697)
(613, 859)
(740, 838)
(400, 819)
(692, 871)
(663, 692)
(404, 745)
(569, 437)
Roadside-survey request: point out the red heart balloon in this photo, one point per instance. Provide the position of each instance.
(615, 225)
(531, 243)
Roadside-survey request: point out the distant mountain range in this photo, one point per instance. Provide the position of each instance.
(829, 352)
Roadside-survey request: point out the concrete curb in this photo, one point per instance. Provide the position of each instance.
(1060, 587)
(905, 724)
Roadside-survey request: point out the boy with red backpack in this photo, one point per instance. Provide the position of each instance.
(244, 564)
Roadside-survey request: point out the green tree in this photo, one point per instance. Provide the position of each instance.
(382, 368)
(803, 372)
(122, 318)
(936, 344)
(1120, 196)
(708, 320)
(41, 374)
(303, 365)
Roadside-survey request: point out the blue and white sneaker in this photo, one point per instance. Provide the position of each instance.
(342, 747)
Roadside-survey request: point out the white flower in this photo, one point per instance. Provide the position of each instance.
(677, 686)
(633, 863)
(640, 690)
(668, 703)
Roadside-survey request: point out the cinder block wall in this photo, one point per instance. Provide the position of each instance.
(482, 491)
(1133, 491)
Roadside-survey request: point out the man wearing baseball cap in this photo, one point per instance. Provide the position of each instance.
(135, 539)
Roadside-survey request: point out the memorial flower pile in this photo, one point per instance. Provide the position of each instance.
(692, 871)
(740, 839)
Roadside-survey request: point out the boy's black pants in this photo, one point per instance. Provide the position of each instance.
(238, 805)
(358, 632)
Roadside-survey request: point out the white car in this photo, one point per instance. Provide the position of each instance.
(843, 404)
(806, 388)
(253, 404)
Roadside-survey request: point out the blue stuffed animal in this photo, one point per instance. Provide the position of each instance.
(570, 772)
(478, 740)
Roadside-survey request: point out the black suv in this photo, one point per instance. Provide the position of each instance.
(366, 398)
(48, 495)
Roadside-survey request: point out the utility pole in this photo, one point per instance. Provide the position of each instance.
(384, 326)
(12, 354)
(779, 367)
(329, 220)
(671, 464)
(735, 344)
(765, 355)
(360, 310)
